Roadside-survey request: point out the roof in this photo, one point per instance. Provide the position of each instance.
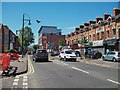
(46, 27)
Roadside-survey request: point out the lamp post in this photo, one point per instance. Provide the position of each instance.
(23, 22)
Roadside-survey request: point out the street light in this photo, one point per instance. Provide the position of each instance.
(24, 19)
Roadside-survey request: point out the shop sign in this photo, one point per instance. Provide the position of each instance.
(98, 43)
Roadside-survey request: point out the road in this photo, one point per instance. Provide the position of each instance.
(60, 74)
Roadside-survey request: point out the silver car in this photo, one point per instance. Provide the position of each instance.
(112, 55)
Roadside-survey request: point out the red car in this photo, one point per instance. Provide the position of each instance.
(40, 55)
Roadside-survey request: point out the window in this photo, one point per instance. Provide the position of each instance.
(102, 35)
(113, 32)
(107, 34)
(97, 36)
(69, 52)
(93, 37)
(89, 37)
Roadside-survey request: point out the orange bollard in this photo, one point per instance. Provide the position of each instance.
(5, 61)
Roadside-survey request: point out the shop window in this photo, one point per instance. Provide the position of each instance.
(113, 32)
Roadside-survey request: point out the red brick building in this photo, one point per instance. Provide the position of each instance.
(103, 33)
(8, 39)
(50, 37)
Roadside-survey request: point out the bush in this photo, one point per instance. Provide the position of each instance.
(13, 51)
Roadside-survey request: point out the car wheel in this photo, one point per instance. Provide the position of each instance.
(35, 60)
(65, 59)
(74, 60)
(114, 60)
(103, 58)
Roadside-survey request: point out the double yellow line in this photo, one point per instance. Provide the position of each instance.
(30, 68)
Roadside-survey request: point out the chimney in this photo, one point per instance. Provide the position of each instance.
(106, 16)
(76, 29)
(116, 11)
(81, 26)
(92, 22)
(98, 18)
(86, 24)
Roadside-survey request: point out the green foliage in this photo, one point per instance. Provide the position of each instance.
(28, 37)
(13, 51)
(83, 41)
(61, 43)
(35, 47)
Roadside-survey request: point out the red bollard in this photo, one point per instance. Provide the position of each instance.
(5, 61)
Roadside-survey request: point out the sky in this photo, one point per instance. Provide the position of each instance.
(64, 15)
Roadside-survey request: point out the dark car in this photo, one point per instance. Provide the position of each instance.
(77, 53)
(93, 54)
(40, 55)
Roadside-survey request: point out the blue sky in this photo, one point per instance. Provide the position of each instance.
(64, 15)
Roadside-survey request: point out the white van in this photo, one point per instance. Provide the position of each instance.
(67, 54)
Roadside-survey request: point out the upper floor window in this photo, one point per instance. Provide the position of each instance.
(93, 37)
(102, 35)
(97, 36)
(113, 32)
(108, 34)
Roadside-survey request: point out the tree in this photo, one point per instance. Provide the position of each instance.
(28, 37)
(83, 40)
(61, 43)
(35, 47)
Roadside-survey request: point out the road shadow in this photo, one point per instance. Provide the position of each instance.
(44, 61)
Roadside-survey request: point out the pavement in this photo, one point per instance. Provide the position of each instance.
(19, 66)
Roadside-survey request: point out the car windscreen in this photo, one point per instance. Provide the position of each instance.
(69, 52)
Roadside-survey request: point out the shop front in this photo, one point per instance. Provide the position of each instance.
(110, 45)
(98, 45)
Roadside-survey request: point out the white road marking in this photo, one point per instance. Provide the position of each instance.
(25, 77)
(15, 83)
(16, 80)
(25, 83)
(113, 81)
(24, 80)
(79, 70)
(25, 87)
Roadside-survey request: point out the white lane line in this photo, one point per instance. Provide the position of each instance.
(113, 81)
(79, 70)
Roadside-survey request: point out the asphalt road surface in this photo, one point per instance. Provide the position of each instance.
(60, 74)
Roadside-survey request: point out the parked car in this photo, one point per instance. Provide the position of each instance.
(77, 53)
(112, 56)
(54, 53)
(29, 52)
(40, 55)
(67, 54)
(94, 54)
